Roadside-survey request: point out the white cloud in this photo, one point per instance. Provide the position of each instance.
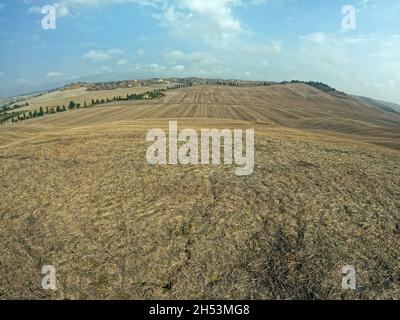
(316, 37)
(196, 58)
(96, 55)
(212, 20)
(54, 74)
(140, 52)
(101, 55)
(114, 51)
(155, 67)
(219, 11)
(366, 4)
(179, 68)
(94, 3)
(61, 9)
(35, 9)
(122, 62)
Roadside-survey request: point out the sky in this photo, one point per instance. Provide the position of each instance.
(275, 40)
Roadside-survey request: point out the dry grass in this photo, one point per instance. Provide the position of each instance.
(78, 194)
(295, 106)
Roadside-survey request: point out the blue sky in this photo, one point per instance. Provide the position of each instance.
(277, 40)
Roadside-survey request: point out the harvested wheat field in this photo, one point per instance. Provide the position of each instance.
(78, 194)
(79, 95)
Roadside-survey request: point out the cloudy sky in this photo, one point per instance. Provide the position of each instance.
(277, 40)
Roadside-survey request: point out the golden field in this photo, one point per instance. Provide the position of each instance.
(77, 193)
(79, 95)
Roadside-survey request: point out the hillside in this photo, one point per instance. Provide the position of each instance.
(78, 193)
(78, 95)
(297, 106)
(385, 106)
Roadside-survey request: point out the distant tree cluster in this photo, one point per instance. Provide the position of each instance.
(5, 117)
(25, 115)
(10, 106)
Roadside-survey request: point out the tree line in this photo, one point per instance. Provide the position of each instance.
(25, 115)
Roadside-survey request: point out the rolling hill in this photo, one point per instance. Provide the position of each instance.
(78, 193)
(296, 106)
(386, 106)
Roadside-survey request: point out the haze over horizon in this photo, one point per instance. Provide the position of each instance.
(275, 40)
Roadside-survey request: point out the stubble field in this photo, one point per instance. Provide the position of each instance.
(78, 194)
